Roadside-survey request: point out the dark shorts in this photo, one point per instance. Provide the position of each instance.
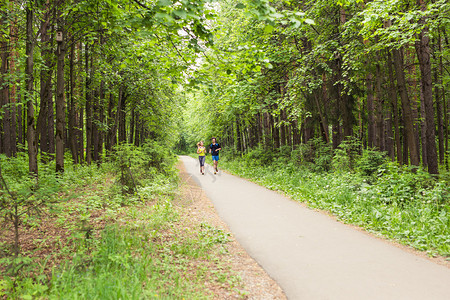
(201, 159)
(215, 157)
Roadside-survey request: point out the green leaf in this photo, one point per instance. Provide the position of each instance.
(180, 13)
(268, 29)
(309, 21)
(164, 2)
(240, 6)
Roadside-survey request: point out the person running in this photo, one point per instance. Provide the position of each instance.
(214, 149)
(201, 151)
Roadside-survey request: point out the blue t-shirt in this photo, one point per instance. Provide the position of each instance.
(214, 147)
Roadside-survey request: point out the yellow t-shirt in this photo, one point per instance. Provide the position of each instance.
(201, 151)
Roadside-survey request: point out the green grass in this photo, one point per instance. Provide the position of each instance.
(107, 244)
(130, 262)
(408, 207)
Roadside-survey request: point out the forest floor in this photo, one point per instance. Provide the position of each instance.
(313, 256)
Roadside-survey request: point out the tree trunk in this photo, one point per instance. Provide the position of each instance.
(20, 127)
(283, 128)
(446, 109)
(423, 132)
(423, 52)
(88, 107)
(370, 113)
(95, 129)
(14, 85)
(337, 135)
(72, 110)
(60, 103)
(380, 125)
(81, 135)
(275, 133)
(122, 118)
(4, 100)
(132, 129)
(439, 112)
(111, 125)
(267, 134)
(137, 132)
(406, 107)
(238, 136)
(394, 104)
(31, 127)
(101, 120)
(46, 96)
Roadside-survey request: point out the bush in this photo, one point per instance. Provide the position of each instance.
(323, 154)
(370, 161)
(260, 155)
(138, 164)
(346, 154)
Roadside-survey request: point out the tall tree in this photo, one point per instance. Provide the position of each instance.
(29, 93)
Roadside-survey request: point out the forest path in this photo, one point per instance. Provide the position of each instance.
(313, 256)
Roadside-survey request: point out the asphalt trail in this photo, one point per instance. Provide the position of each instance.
(311, 255)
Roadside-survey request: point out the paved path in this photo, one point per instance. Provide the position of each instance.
(312, 256)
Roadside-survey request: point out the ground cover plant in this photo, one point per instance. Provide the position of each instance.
(411, 207)
(98, 236)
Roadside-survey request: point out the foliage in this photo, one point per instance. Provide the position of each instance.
(138, 164)
(21, 195)
(145, 249)
(346, 155)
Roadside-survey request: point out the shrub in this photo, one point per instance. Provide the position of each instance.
(370, 161)
(346, 154)
(323, 154)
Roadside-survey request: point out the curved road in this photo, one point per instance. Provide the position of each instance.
(311, 255)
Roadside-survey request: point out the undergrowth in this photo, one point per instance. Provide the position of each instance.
(367, 190)
(106, 234)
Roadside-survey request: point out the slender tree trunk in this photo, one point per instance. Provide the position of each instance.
(81, 134)
(423, 132)
(323, 120)
(20, 135)
(283, 128)
(380, 124)
(72, 111)
(88, 107)
(394, 105)
(439, 112)
(237, 136)
(337, 134)
(122, 118)
(31, 127)
(60, 103)
(406, 107)
(95, 129)
(132, 129)
(275, 133)
(101, 120)
(111, 125)
(45, 88)
(14, 85)
(267, 134)
(137, 132)
(446, 109)
(370, 113)
(4, 96)
(423, 52)
(405, 145)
